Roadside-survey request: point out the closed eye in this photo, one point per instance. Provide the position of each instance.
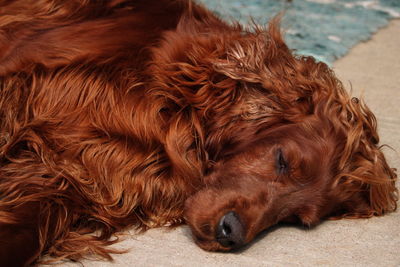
(281, 163)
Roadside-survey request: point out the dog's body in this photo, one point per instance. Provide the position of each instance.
(143, 113)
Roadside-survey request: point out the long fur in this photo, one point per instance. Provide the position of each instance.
(119, 114)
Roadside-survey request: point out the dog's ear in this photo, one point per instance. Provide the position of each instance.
(367, 189)
(365, 183)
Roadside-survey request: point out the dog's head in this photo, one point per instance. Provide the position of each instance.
(282, 139)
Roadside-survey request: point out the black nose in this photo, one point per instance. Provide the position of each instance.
(230, 231)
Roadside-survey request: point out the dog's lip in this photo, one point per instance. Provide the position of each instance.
(210, 245)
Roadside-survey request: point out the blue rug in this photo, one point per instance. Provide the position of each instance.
(325, 29)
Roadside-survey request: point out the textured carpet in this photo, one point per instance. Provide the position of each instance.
(325, 29)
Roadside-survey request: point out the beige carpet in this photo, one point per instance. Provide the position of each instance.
(373, 70)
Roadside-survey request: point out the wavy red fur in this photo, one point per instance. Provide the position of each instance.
(118, 114)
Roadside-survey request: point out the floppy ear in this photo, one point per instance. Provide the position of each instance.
(368, 189)
(366, 183)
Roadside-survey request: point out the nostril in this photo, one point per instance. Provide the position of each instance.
(226, 228)
(230, 231)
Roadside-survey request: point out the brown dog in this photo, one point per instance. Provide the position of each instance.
(151, 112)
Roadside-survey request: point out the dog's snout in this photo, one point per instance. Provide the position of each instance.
(230, 232)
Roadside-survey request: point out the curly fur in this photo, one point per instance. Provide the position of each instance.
(119, 114)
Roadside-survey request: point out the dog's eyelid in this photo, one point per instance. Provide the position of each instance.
(281, 162)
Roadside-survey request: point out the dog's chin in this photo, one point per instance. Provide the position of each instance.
(212, 246)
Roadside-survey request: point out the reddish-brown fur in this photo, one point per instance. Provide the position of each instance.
(144, 113)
